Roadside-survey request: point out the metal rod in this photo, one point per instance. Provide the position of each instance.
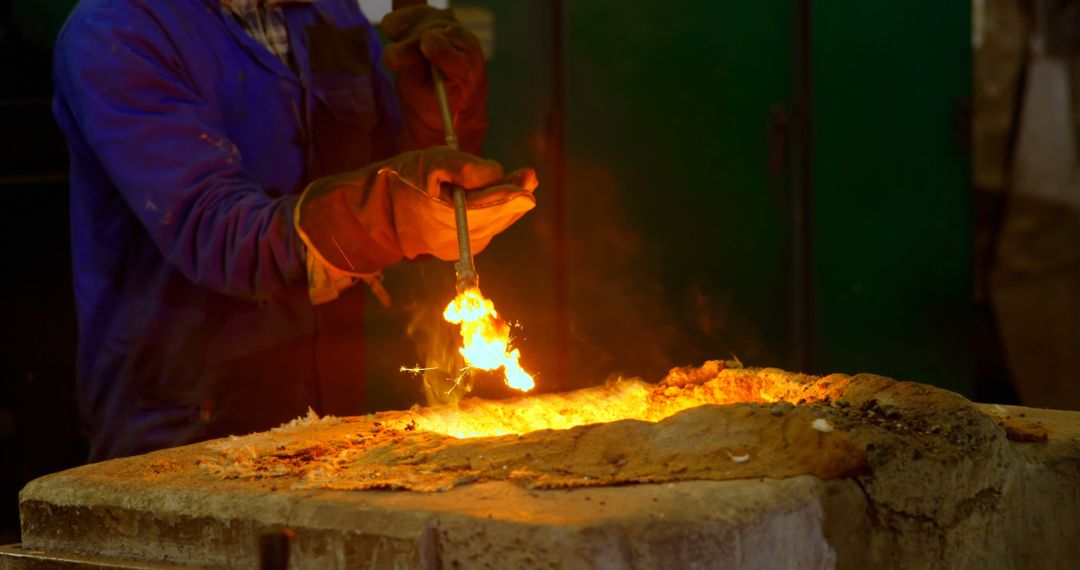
(466, 273)
(444, 107)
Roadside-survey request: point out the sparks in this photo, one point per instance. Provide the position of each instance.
(486, 338)
(415, 369)
(457, 381)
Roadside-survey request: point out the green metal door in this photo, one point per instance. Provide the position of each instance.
(678, 231)
(891, 189)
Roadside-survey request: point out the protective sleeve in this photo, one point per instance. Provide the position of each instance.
(390, 126)
(165, 149)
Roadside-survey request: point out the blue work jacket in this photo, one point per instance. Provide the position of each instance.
(189, 145)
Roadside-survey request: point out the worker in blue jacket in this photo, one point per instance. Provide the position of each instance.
(236, 167)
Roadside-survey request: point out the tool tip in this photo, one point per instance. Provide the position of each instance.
(466, 281)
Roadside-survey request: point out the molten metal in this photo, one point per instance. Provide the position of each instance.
(684, 388)
(486, 338)
(626, 400)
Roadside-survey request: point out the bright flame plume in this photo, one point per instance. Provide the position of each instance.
(486, 338)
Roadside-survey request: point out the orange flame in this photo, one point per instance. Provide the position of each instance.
(486, 338)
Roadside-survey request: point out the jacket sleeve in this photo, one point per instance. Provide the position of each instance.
(390, 134)
(164, 148)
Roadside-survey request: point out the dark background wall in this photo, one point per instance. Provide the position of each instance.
(39, 427)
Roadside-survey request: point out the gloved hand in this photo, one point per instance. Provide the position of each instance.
(421, 34)
(363, 221)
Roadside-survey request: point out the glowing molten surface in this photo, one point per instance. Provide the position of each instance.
(621, 400)
(629, 400)
(486, 338)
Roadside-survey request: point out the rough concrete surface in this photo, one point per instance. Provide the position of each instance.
(767, 469)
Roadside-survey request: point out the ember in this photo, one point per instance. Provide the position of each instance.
(486, 338)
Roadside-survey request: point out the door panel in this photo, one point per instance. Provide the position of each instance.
(678, 232)
(891, 189)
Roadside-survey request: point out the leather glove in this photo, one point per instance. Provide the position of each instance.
(360, 222)
(419, 35)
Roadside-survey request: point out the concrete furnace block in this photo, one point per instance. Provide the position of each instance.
(768, 470)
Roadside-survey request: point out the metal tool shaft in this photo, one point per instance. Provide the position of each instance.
(466, 273)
